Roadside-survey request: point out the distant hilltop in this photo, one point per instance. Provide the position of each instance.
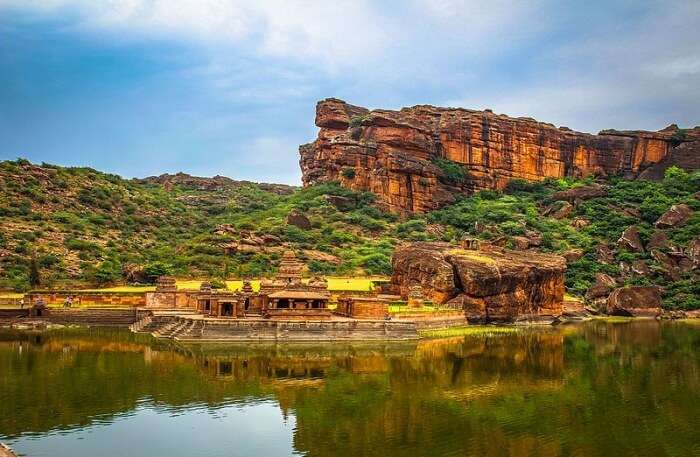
(420, 158)
(212, 183)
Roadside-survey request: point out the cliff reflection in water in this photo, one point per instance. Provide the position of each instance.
(593, 389)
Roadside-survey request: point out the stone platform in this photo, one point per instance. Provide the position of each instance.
(198, 328)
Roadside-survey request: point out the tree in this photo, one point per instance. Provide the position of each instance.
(109, 271)
(34, 275)
(154, 270)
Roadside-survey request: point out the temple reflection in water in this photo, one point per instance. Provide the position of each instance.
(465, 396)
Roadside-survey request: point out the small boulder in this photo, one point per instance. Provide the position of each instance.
(630, 240)
(298, 219)
(674, 217)
(602, 287)
(693, 252)
(580, 193)
(312, 254)
(520, 243)
(341, 203)
(605, 254)
(640, 268)
(271, 239)
(559, 210)
(534, 237)
(668, 264)
(572, 255)
(635, 301)
(579, 222)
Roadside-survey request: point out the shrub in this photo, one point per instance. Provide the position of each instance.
(452, 172)
(348, 173)
(357, 120)
(108, 272)
(218, 283)
(376, 264)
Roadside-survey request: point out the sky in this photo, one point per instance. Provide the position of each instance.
(229, 87)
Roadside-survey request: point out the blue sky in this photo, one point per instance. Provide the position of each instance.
(143, 87)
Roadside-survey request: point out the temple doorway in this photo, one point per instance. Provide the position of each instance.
(283, 303)
(227, 309)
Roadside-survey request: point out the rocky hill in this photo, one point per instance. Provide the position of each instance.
(420, 158)
(78, 227)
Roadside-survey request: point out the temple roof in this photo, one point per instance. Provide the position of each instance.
(298, 294)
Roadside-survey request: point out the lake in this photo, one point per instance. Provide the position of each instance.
(598, 388)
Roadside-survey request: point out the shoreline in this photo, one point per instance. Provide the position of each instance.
(265, 331)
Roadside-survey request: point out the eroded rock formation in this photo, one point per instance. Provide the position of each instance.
(636, 301)
(397, 154)
(491, 284)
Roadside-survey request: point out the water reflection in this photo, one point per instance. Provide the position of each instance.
(593, 389)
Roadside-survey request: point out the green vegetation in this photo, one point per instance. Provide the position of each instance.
(518, 212)
(472, 330)
(356, 121)
(453, 173)
(86, 228)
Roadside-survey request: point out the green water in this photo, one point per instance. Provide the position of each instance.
(595, 389)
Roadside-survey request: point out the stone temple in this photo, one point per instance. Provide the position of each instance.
(285, 296)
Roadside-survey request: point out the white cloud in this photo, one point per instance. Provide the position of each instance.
(639, 74)
(356, 34)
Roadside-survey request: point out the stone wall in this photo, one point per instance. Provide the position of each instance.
(393, 153)
(12, 313)
(111, 317)
(81, 298)
(181, 299)
(362, 307)
(233, 329)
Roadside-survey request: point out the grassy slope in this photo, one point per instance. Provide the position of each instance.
(80, 222)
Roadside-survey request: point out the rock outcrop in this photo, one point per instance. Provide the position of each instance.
(635, 301)
(420, 158)
(490, 284)
(677, 215)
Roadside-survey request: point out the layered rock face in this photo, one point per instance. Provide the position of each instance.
(490, 284)
(400, 155)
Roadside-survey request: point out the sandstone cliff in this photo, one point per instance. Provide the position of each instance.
(422, 157)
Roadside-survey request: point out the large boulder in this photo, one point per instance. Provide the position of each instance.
(677, 215)
(492, 284)
(424, 264)
(635, 301)
(298, 219)
(630, 240)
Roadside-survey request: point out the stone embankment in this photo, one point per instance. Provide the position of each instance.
(196, 328)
